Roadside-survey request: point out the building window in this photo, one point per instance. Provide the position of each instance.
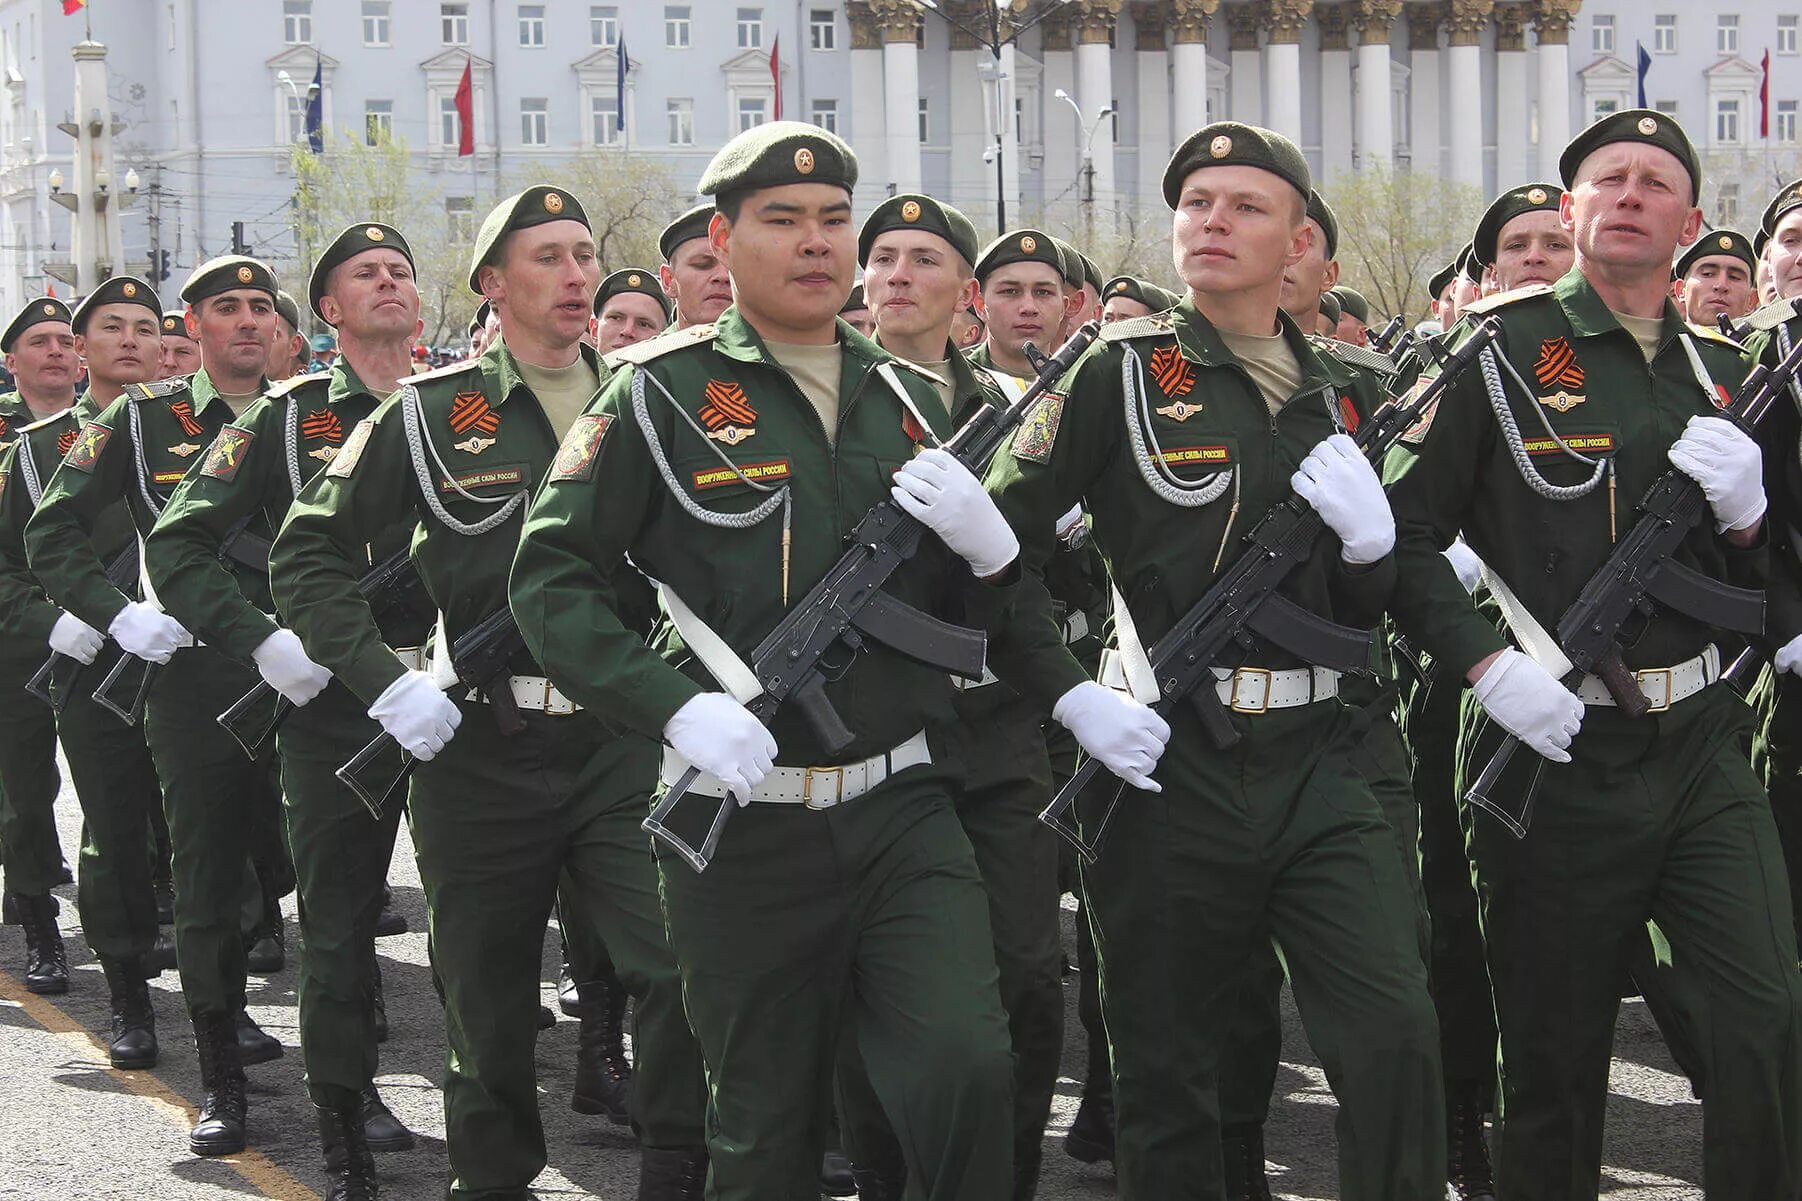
(750, 29)
(531, 25)
(1726, 33)
(297, 116)
(1601, 108)
(534, 121)
(1726, 120)
(450, 126)
(297, 22)
(677, 31)
(1667, 107)
(925, 120)
(453, 22)
(605, 112)
(376, 23)
(751, 113)
(920, 33)
(1601, 34)
(1664, 33)
(1726, 206)
(681, 123)
(1786, 122)
(378, 121)
(1786, 33)
(824, 113)
(822, 29)
(603, 25)
(460, 212)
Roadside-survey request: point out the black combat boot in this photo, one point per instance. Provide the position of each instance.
(1028, 1157)
(1091, 1135)
(1242, 1152)
(46, 962)
(266, 949)
(569, 997)
(603, 1073)
(382, 1131)
(1467, 1169)
(671, 1173)
(835, 1175)
(254, 1045)
(390, 921)
(162, 955)
(878, 1185)
(349, 1168)
(220, 1127)
(133, 1046)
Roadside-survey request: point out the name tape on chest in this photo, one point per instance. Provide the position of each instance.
(1586, 444)
(487, 477)
(763, 473)
(1197, 456)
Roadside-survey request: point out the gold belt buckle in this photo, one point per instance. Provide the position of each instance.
(1263, 703)
(1640, 678)
(838, 790)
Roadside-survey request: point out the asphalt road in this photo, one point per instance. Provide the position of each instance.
(75, 1130)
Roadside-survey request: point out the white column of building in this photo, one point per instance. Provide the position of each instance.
(1159, 94)
(1464, 80)
(868, 129)
(1551, 24)
(1513, 158)
(1282, 65)
(972, 180)
(1189, 68)
(1062, 138)
(901, 92)
(1376, 119)
(1094, 92)
(1425, 147)
(1009, 84)
(1246, 64)
(1334, 21)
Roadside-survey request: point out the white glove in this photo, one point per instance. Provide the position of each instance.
(1719, 456)
(1127, 737)
(942, 494)
(145, 631)
(1338, 481)
(285, 665)
(718, 735)
(1789, 656)
(1526, 701)
(75, 638)
(1464, 561)
(417, 714)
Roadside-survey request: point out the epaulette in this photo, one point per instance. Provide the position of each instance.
(1714, 335)
(931, 377)
(44, 421)
(446, 372)
(1772, 315)
(1491, 303)
(158, 389)
(1354, 356)
(1155, 325)
(655, 348)
(295, 383)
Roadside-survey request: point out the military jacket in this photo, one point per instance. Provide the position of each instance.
(1780, 434)
(1589, 383)
(1206, 418)
(484, 445)
(701, 419)
(15, 414)
(254, 469)
(137, 449)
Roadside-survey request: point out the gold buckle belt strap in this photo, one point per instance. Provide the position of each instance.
(1663, 686)
(537, 694)
(1260, 689)
(815, 787)
(413, 658)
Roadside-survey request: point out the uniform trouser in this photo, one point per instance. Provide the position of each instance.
(116, 786)
(867, 920)
(1655, 818)
(1777, 758)
(1097, 1075)
(1253, 1053)
(586, 950)
(341, 857)
(1278, 837)
(495, 821)
(28, 780)
(222, 810)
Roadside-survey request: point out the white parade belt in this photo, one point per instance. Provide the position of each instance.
(1249, 689)
(535, 693)
(1663, 686)
(815, 787)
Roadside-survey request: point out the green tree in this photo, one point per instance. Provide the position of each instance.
(1395, 229)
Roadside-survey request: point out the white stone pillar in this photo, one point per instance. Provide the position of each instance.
(1376, 118)
(1464, 82)
(970, 176)
(1094, 92)
(1334, 21)
(1282, 65)
(869, 128)
(1245, 97)
(1552, 25)
(901, 107)
(1425, 101)
(1512, 158)
(1062, 135)
(1010, 134)
(1189, 86)
(1161, 94)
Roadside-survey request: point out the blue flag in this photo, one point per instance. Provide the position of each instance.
(1645, 64)
(619, 102)
(316, 109)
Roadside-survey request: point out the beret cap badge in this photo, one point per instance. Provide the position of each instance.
(634, 279)
(1726, 242)
(910, 211)
(1536, 196)
(1029, 243)
(1221, 146)
(49, 309)
(130, 289)
(245, 275)
(374, 234)
(1648, 126)
(804, 161)
(553, 203)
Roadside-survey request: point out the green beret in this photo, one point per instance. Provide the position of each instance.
(481, 318)
(1321, 213)
(1716, 242)
(1468, 266)
(1072, 265)
(1230, 144)
(1146, 293)
(227, 273)
(1760, 240)
(1440, 279)
(175, 325)
(371, 235)
(1091, 274)
(120, 289)
(1352, 301)
(854, 301)
(690, 225)
(777, 153)
(1019, 246)
(44, 308)
(914, 211)
(1788, 197)
(288, 309)
(538, 205)
(1528, 198)
(1632, 125)
(1330, 308)
(630, 279)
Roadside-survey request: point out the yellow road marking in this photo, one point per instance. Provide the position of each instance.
(260, 1172)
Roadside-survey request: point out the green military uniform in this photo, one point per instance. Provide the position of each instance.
(1656, 818)
(253, 470)
(495, 818)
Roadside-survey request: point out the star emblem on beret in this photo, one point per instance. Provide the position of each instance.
(374, 234)
(1648, 126)
(1726, 242)
(1536, 196)
(1221, 146)
(910, 210)
(245, 275)
(49, 310)
(129, 289)
(553, 203)
(1028, 244)
(633, 280)
(804, 161)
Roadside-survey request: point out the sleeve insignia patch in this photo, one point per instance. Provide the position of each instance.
(227, 454)
(345, 461)
(88, 444)
(184, 413)
(64, 441)
(581, 447)
(471, 411)
(1038, 433)
(1415, 434)
(322, 425)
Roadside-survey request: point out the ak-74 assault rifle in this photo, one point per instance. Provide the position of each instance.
(1243, 604)
(55, 680)
(387, 587)
(823, 634)
(1382, 339)
(1638, 576)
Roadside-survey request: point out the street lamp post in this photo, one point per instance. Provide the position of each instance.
(1088, 159)
(287, 81)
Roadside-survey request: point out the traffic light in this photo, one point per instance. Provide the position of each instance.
(159, 267)
(239, 245)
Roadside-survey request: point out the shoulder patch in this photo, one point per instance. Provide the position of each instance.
(88, 444)
(157, 389)
(662, 344)
(40, 423)
(297, 383)
(345, 461)
(1491, 303)
(1355, 356)
(1714, 335)
(227, 453)
(1038, 433)
(581, 448)
(931, 377)
(451, 371)
(1772, 315)
(1152, 326)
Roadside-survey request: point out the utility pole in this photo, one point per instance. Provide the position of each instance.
(98, 251)
(239, 245)
(154, 227)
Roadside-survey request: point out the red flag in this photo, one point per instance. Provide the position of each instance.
(776, 72)
(71, 7)
(1764, 99)
(466, 111)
